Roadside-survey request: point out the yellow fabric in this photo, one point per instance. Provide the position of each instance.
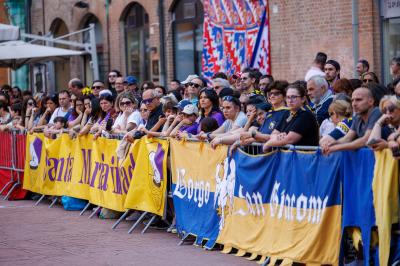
(301, 241)
(148, 188)
(240, 253)
(80, 168)
(253, 256)
(227, 249)
(386, 189)
(194, 163)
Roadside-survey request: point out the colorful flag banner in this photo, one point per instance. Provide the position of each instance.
(285, 205)
(197, 173)
(236, 35)
(148, 188)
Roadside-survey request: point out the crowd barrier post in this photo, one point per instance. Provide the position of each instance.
(95, 211)
(123, 216)
(6, 159)
(85, 209)
(141, 218)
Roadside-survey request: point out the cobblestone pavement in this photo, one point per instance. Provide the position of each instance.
(42, 236)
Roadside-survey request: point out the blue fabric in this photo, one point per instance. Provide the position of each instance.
(358, 207)
(73, 204)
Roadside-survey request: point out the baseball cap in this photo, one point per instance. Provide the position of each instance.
(181, 105)
(189, 79)
(130, 80)
(190, 109)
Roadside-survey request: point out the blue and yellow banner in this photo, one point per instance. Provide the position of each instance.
(148, 188)
(286, 205)
(197, 174)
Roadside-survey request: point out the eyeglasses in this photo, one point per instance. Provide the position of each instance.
(97, 87)
(194, 85)
(368, 80)
(389, 109)
(292, 97)
(143, 110)
(125, 103)
(274, 93)
(148, 101)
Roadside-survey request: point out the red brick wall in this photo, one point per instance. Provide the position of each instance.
(302, 28)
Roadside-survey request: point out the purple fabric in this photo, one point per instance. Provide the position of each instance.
(191, 129)
(217, 116)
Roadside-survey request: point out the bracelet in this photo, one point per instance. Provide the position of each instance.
(253, 133)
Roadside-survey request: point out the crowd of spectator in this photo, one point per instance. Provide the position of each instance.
(323, 109)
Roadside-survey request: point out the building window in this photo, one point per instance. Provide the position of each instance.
(102, 64)
(136, 26)
(188, 18)
(391, 44)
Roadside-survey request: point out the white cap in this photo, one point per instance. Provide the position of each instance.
(105, 92)
(190, 109)
(189, 79)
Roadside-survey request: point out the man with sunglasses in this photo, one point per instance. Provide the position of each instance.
(193, 84)
(153, 104)
(366, 115)
(97, 86)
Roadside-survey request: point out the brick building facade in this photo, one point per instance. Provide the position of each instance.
(128, 35)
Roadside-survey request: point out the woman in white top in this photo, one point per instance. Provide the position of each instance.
(128, 117)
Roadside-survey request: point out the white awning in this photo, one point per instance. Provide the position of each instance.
(15, 54)
(8, 33)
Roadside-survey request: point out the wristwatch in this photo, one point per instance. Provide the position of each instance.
(253, 133)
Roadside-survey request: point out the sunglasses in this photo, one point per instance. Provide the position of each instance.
(194, 85)
(30, 103)
(97, 87)
(367, 80)
(125, 103)
(389, 109)
(228, 98)
(148, 101)
(217, 87)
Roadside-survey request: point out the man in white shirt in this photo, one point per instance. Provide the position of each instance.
(64, 100)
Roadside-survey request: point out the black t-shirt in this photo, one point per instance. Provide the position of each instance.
(154, 117)
(303, 123)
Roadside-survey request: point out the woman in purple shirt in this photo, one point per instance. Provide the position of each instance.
(209, 106)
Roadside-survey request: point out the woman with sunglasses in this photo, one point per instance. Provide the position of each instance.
(128, 117)
(297, 127)
(385, 132)
(209, 106)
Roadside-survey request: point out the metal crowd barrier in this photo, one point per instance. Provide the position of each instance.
(12, 158)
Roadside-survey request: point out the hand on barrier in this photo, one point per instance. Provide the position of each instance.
(215, 142)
